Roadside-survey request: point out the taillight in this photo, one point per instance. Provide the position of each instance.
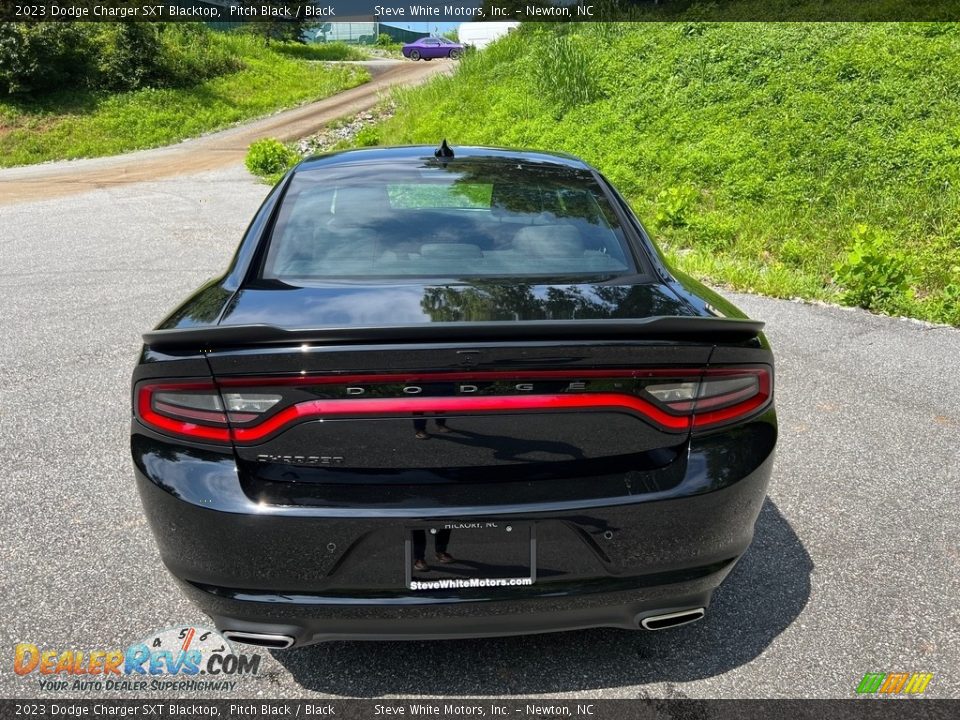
(718, 397)
(249, 410)
(197, 410)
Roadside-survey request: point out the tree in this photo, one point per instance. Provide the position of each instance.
(278, 28)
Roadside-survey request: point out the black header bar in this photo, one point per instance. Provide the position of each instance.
(477, 10)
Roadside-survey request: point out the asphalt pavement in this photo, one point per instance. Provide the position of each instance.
(854, 568)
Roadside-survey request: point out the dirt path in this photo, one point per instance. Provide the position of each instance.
(209, 152)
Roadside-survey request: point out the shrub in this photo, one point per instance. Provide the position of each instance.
(276, 30)
(36, 58)
(42, 56)
(269, 157)
(368, 137)
(872, 274)
(944, 306)
(385, 41)
(192, 53)
(129, 56)
(674, 205)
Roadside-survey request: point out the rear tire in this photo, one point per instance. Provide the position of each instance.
(414, 55)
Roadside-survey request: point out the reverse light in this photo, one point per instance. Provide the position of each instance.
(250, 402)
(673, 394)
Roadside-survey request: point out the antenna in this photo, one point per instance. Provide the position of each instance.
(443, 151)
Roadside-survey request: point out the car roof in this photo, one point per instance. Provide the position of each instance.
(415, 154)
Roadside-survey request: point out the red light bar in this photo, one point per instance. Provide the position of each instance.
(705, 412)
(484, 404)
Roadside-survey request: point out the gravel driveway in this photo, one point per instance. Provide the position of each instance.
(215, 150)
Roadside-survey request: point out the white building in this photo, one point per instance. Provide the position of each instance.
(481, 34)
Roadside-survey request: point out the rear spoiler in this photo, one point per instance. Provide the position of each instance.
(702, 329)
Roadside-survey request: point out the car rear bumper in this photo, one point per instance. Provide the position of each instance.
(314, 573)
(315, 619)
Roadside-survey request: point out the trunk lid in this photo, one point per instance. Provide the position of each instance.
(474, 394)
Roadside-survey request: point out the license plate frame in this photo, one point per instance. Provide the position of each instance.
(486, 554)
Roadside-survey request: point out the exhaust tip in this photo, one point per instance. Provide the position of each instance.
(673, 619)
(265, 640)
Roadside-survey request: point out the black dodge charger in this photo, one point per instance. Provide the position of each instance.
(445, 393)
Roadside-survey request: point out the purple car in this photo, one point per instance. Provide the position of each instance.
(429, 48)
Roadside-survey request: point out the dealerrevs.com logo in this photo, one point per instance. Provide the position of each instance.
(180, 658)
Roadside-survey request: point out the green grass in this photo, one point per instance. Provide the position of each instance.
(386, 43)
(809, 160)
(80, 123)
(323, 51)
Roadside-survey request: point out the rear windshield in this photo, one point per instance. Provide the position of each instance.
(459, 219)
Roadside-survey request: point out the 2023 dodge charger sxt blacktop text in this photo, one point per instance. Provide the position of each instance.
(450, 393)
